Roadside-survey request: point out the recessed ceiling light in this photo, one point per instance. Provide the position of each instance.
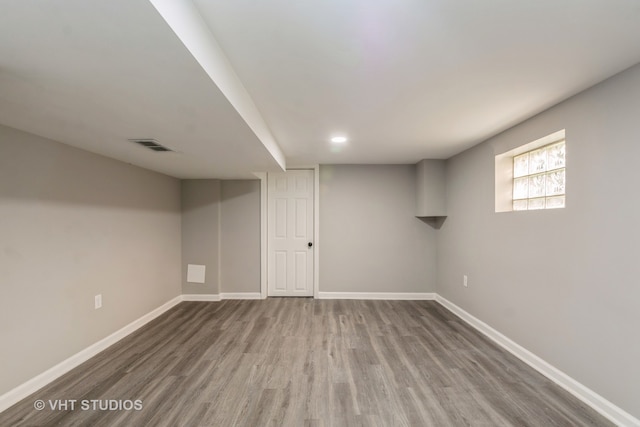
(339, 139)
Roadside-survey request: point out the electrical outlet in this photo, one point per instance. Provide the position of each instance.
(98, 301)
(465, 281)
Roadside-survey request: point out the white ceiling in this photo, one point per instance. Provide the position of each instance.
(94, 73)
(405, 80)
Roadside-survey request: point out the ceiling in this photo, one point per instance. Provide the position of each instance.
(242, 86)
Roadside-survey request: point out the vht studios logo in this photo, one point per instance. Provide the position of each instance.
(88, 405)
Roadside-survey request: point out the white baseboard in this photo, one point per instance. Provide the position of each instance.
(200, 297)
(241, 295)
(12, 397)
(603, 406)
(377, 295)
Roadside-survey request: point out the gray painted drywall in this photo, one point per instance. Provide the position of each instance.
(201, 233)
(430, 195)
(562, 283)
(370, 239)
(73, 225)
(240, 236)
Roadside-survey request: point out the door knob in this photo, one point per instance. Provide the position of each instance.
(310, 244)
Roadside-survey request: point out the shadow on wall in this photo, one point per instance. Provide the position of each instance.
(233, 189)
(45, 171)
(434, 221)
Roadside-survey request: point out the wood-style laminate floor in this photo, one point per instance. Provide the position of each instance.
(305, 362)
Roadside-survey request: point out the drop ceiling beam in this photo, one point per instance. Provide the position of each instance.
(186, 22)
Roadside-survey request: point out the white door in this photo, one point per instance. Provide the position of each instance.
(290, 233)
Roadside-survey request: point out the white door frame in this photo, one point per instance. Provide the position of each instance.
(316, 229)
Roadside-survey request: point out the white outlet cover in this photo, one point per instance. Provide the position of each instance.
(98, 301)
(195, 273)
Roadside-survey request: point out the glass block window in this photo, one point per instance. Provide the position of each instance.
(539, 178)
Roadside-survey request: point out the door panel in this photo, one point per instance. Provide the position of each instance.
(290, 226)
(301, 270)
(301, 219)
(280, 280)
(281, 219)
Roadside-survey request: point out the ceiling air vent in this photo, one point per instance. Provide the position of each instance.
(151, 144)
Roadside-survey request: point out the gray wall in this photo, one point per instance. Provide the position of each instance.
(240, 236)
(370, 239)
(201, 233)
(221, 229)
(73, 225)
(562, 283)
